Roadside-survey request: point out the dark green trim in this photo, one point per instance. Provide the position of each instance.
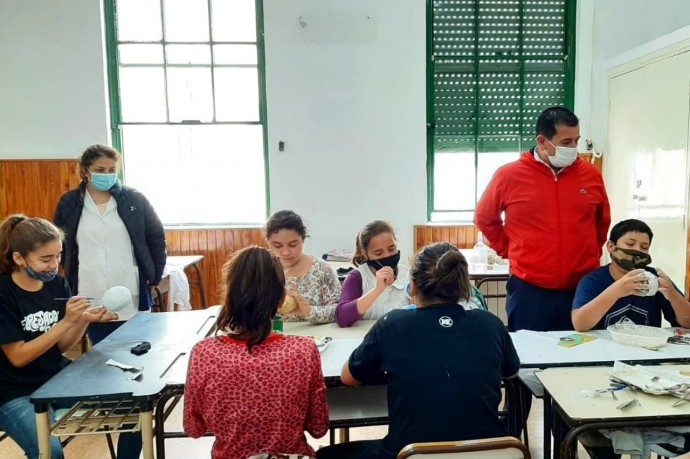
(263, 111)
(477, 113)
(470, 66)
(110, 12)
(165, 42)
(521, 101)
(570, 45)
(187, 123)
(194, 66)
(213, 60)
(430, 112)
(165, 61)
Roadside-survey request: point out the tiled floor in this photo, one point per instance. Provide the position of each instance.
(95, 447)
(186, 448)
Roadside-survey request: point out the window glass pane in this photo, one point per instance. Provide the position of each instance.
(188, 54)
(234, 20)
(198, 174)
(452, 216)
(186, 20)
(189, 94)
(454, 177)
(488, 163)
(139, 20)
(235, 54)
(141, 54)
(237, 94)
(142, 94)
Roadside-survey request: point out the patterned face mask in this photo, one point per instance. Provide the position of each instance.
(630, 259)
(43, 276)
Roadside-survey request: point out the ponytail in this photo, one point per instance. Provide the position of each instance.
(360, 256)
(7, 263)
(21, 234)
(365, 235)
(440, 273)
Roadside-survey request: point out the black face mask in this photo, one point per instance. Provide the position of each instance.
(630, 259)
(391, 262)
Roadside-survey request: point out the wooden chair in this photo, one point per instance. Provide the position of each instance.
(489, 448)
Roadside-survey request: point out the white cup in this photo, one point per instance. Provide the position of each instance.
(653, 283)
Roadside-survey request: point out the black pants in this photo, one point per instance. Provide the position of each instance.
(365, 449)
(531, 307)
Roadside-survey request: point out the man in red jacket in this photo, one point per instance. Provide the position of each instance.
(556, 222)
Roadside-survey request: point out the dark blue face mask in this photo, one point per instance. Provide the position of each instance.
(391, 262)
(42, 276)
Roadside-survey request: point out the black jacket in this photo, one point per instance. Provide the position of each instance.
(144, 228)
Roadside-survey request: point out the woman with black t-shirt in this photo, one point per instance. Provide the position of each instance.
(442, 364)
(37, 323)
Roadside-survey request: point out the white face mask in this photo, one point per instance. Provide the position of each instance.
(564, 156)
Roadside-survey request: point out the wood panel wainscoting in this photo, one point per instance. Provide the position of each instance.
(461, 236)
(216, 245)
(33, 187)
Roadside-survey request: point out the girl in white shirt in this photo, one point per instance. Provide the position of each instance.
(378, 285)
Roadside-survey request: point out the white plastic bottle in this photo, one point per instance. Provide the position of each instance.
(480, 251)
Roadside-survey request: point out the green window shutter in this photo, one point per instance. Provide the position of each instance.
(496, 65)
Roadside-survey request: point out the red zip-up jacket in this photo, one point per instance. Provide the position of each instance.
(555, 224)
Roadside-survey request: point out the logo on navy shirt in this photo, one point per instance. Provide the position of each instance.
(40, 321)
(445, 321)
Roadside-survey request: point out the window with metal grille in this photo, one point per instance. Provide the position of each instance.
(186, 80)
(492, 67)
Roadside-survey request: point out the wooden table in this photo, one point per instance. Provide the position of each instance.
(563, 387)
(184, 262)
(89, 379)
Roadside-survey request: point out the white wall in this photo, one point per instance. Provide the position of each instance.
(346, 93)
(52, 84)
(613, 29)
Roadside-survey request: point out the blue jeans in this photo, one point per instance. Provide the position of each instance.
(18, 420)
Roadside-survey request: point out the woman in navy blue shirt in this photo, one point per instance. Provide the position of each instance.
(443, 364)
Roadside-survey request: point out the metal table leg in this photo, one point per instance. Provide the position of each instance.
(200, 283)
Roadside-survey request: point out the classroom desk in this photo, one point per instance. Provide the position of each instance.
(347, 406)
(184, 262)
(482, 273)
(354, 406)
(484, 269)
(345, 340)
(172, 335)
(563, 386)
(541, 350)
